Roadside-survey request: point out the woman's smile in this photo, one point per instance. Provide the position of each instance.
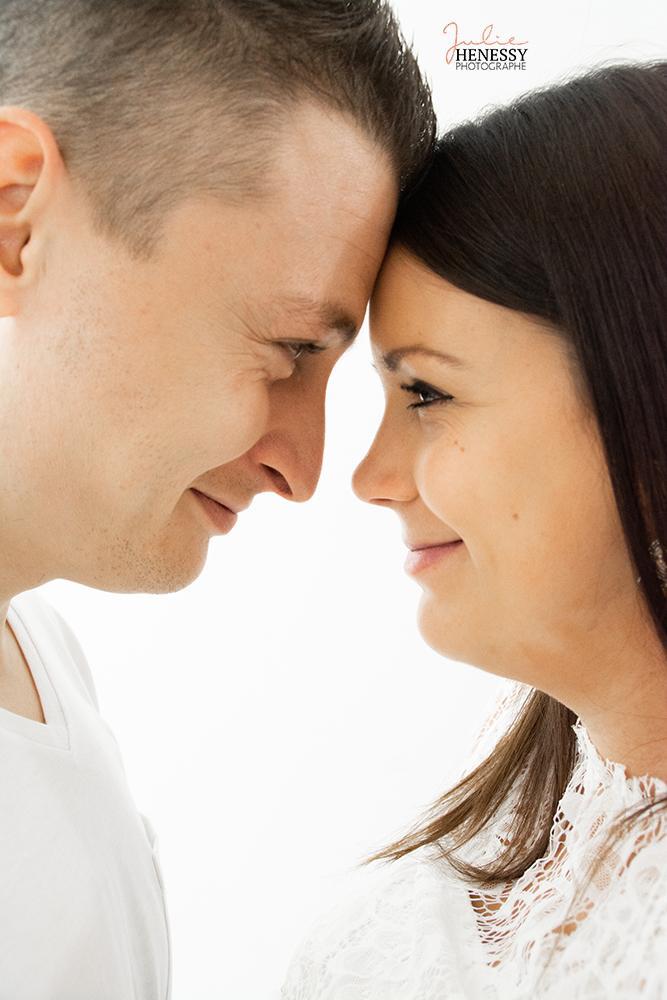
(419, 559)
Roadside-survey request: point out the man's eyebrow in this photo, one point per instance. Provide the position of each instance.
(392, 359)
(326, 314)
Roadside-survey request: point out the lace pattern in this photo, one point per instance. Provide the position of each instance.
(419, 933)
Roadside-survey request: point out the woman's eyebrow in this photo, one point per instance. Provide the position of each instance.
(392, 358)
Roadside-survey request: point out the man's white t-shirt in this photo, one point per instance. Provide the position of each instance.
(82, 907)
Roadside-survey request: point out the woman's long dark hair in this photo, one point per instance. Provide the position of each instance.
(556, 206)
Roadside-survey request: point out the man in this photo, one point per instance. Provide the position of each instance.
(195, 199)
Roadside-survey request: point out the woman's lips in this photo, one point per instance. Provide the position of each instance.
(420, 559)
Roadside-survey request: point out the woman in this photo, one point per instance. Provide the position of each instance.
(519, 326)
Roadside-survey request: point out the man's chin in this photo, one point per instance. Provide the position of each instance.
(154, 571)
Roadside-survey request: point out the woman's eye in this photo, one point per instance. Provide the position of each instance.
(426, 394)
(299, 347)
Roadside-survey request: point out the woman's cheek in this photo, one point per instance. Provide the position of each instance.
(441, 477)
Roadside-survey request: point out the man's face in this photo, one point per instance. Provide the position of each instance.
(128, 385)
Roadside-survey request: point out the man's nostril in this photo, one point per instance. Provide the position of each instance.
(279, 482)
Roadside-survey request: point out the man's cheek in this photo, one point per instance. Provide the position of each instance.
(241, 422)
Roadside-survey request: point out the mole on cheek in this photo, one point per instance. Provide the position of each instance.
(515, 517)
(461, 448)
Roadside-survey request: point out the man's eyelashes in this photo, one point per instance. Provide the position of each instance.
(298, 347)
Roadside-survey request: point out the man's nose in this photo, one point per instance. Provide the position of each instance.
(290, 452)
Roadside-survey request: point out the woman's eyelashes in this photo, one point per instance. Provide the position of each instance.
(428, 396)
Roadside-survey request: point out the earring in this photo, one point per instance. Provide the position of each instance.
(658, 555)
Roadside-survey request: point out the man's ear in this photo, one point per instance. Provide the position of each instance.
(29, 161)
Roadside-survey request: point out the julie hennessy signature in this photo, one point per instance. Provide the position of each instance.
(452, 30)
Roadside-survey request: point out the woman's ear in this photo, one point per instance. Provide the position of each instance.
(26, 143)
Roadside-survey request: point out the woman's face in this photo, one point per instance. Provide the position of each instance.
(511, 465)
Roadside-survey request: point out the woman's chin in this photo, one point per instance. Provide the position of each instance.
(441, 628)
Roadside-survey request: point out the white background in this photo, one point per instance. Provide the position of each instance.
(281, 717)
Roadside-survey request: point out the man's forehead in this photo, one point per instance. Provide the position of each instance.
(327, 314)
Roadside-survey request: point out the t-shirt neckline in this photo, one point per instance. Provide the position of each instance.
(52, 732)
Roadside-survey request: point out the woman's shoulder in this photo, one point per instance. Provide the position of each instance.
(386, 938)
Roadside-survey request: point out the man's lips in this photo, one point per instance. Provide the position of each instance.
(222, 517)
(233, 508)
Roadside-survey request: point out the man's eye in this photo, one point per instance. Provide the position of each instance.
(298, 347)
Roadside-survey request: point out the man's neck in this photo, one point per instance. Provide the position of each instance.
(7, 644)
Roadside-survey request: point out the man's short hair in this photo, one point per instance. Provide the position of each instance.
(154, 100)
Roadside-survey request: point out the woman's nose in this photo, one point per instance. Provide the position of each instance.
(361, 480)
(384, 476)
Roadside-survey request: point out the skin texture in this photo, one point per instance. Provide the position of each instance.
(126, 383)
(542, 590)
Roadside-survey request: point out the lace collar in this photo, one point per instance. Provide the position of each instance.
(609, 774)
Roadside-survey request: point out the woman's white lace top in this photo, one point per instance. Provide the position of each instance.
(418, 932)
